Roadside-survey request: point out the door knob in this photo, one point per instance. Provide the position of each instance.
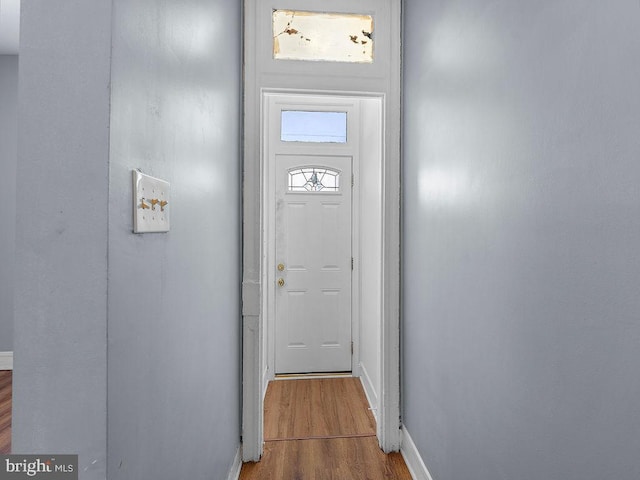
(281, 282)
(280, 267)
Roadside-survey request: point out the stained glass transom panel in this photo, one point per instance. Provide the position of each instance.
(336, 37)
(314, 179)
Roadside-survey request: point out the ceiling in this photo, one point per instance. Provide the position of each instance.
(9, 26)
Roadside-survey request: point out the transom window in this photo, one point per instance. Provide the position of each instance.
(333, 37)
(314, 179)
(315, 127)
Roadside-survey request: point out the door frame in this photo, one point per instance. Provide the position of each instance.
(273, 101)
(255, 372)
(383, 78)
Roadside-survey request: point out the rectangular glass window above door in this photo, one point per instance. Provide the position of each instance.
(316, 36)
(315, 127)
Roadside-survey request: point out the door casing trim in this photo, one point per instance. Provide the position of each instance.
(255, 367)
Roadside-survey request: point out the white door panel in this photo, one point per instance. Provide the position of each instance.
(313, 243)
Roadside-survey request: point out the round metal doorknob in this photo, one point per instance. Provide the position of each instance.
(280, 267)
(281, 282)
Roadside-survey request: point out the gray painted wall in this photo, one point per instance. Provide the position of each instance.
(60, 343)
(8, 162)
(174, 298)
(521, 238)
(174, 336)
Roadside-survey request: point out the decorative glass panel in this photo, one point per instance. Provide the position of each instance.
(335, 37)
(314, 179)
(318, 127)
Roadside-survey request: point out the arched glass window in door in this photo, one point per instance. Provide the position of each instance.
(313, 179)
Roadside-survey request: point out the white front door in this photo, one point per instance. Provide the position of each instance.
(313, 263)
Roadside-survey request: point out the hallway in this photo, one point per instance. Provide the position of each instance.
(507, 297)
(321, 429)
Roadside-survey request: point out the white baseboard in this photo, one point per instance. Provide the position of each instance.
(369, 390)
(6, 360)
(412, 458)
(234, 471)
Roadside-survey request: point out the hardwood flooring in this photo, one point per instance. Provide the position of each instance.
(6, 377)
(326, 459)
(324, 407)
(317, 429)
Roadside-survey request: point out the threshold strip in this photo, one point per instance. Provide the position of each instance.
(302, 376)
(320, 437)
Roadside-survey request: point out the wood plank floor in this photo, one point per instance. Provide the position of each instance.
(318, 429)
(6, 377)
(325, 407)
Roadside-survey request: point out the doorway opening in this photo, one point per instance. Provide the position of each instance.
(375, 84)
(322, 230)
